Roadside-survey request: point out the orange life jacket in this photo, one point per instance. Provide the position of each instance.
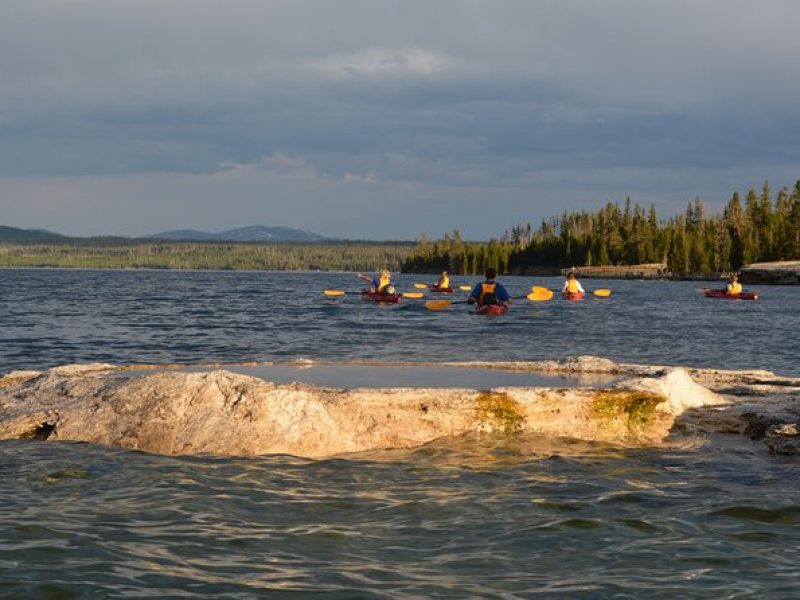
(734, 287)
(383, 283)
(486, 288)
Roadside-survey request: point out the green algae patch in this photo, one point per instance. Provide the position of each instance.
(497, 411)
(636, 409)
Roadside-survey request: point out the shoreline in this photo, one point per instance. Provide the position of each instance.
(785, 278)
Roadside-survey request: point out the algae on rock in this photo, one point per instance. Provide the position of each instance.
(636, 409)
(497, 411)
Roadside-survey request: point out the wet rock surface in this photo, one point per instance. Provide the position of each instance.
(219, 412)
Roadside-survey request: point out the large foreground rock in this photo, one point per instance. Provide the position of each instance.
(220, 412)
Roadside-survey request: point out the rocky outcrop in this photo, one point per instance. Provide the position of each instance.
(219, 412)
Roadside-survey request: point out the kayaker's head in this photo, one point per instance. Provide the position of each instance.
(734, 277)
(490, 274)
(385, 274)
(571, 275)
(444, 273)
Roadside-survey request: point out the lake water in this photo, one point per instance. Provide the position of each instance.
(57, 317)
(479, 516)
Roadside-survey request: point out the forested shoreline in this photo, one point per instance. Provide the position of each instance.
(759, 229)
(340, 256)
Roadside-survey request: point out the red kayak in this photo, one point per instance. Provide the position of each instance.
(492, 309)
(724, 294)
(574, 296)
(376, 297)
(438, 290)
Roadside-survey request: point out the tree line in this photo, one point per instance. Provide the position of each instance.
(762, 228)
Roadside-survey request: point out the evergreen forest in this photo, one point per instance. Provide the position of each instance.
(759, 229)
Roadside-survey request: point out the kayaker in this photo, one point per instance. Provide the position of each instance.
(489, 291)
(444, 281)
(572, 285)
(734, 287)
(382, 284)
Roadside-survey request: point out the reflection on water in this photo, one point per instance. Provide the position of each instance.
(409, 376)
(484, 516)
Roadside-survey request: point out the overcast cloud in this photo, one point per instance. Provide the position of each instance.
(386, 119)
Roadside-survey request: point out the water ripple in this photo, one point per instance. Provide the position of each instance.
(484, 516)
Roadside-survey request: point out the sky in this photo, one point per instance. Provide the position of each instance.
(387, 119)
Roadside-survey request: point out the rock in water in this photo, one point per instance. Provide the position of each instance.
(220, 412)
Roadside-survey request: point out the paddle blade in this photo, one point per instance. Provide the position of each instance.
(540, 294)
(603, 292)
(438, 304)
(464, 288)
(421, 286)
(334, 293)
(412, 294)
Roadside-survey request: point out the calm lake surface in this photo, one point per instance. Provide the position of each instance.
(480, 516)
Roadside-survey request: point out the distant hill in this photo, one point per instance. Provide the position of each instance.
(254, 233)
(14, 234)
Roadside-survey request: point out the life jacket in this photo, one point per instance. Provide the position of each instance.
(734, 287)
(383, 284)
(487, 294)
(572, 286)
(444, 282)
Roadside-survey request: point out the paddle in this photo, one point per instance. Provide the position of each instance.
(547, 294)
(539, 294)
(333, 293)
(425, 286)
(445, 304)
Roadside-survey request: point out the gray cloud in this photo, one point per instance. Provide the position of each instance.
(412, 110)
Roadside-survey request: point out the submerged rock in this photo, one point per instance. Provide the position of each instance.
(784, 438)
(220, 412)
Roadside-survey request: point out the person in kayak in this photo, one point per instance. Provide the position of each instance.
(444, 281)
(489, 292)
(382, 284)
(572, 285)
(734, 287)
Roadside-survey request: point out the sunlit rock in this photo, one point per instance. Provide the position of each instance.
(220, 412)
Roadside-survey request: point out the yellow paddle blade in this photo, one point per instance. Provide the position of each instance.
(421, 286)
(540, 295)
(538, 288)
(438, 304)
(464, 288)
(334, 293)
(412, 294)
(603, 292)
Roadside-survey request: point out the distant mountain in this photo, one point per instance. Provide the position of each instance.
(181, 235)
(14, 234)
(254, 233)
